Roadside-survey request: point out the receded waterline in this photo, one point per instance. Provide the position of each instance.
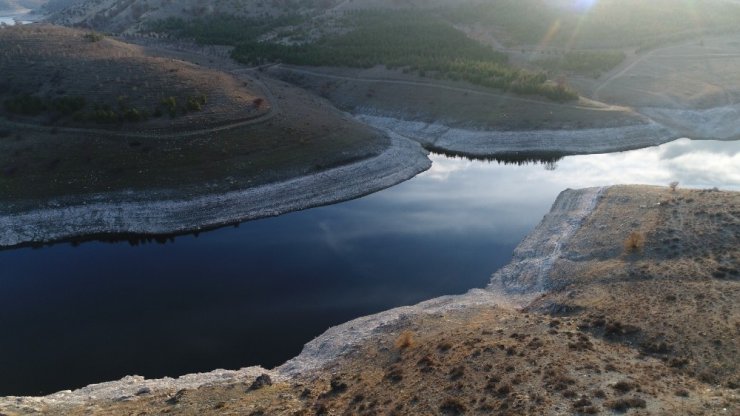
(235, 297)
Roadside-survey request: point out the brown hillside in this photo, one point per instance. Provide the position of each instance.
(118, 83)
(234, 142)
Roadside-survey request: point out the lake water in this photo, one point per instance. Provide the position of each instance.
(234, 297)
(13, 17)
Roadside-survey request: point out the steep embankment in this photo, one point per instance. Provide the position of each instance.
(649, 325)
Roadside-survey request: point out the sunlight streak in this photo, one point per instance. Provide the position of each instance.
(583, 5)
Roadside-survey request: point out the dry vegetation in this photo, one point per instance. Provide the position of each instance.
(676, 298)
(248, 133)
(653, 332)
(65, 77)
(382, 91)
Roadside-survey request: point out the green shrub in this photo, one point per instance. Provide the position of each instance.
(170, 105)
(25, 104)
(93, 37)
(196, 103)
(68, 105)
(133, 115)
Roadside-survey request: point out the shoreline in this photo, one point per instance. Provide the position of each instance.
(574, 218)
(148, 215)
(483, 143)
(119, 215)
(570, 210)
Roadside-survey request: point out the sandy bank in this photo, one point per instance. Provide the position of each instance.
(147, 213)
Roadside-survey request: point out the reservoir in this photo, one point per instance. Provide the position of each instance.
(72, 314)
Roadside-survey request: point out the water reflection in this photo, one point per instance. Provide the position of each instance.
(17, 17)
(548, 159)
(255, 294)
(697, 164)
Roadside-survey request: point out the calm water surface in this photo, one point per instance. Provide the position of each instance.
(11, 18)
(255, 294)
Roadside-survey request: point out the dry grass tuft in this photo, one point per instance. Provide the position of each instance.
(635, 241)
(405, 340)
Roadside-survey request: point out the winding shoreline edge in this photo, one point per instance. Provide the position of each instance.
(568, 213)
(151, 215)
(484, 143)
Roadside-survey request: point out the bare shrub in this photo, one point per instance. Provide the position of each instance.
(635, 241)
(673, 185)
(405, 340)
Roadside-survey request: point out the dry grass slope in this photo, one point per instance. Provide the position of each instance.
(52, 63)
(248, 133)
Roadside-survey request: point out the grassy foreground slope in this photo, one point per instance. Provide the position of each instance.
(246, 132)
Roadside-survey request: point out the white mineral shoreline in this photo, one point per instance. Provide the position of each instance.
(532, 262)
(542, 246)
(491, 142)
(152, 214)
(147, 213)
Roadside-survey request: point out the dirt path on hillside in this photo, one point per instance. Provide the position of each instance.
(273, 108)
(595, 106)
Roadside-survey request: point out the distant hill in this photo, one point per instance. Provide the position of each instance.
(130, 15)
(606, 23)
(54, 6)
(20, 4)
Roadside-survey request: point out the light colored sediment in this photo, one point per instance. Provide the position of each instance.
(487, 142)
(342, 339)
(533, 259)
(133, 386)
(517, 284)
(148, 213)
(718, 123)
